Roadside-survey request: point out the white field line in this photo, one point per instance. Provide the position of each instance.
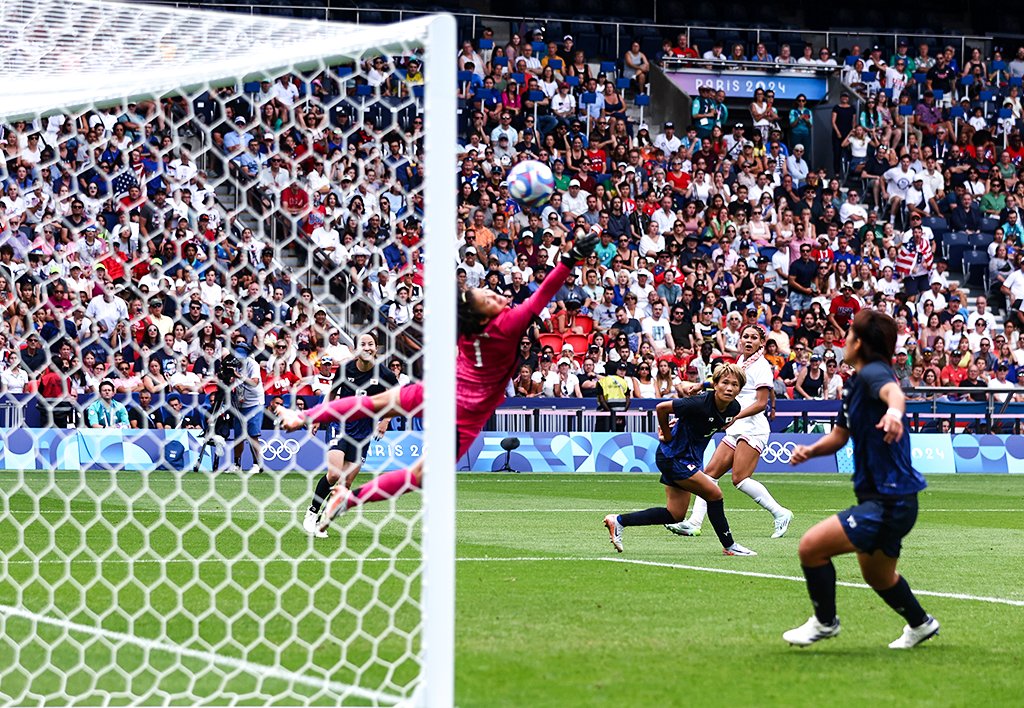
(521, 559)
(259, 670)
(793, 578)
(413, 510)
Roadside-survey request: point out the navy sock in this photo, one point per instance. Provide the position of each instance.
(901, 598)
(647, 517)
(716, 515)
(821, 586)
(323, 490)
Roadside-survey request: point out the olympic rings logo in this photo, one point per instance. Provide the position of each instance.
(778, 452)
(283, 450)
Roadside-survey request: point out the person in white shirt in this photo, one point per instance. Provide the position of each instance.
(563, 105)
(106, 310)
(982, 313)
(895, 183)
(999, 382)
(475, 272)
(566, 384)
(665, 218)
(933, 296)
(797, 166)
(656, 330)
(286, 91)
(853, 210)
(642, 288)
(668, 142)
(653, 242)
(328, 242)
(210, 291)
(574, 202)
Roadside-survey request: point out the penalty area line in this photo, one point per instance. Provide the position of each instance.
(251, 667)
(793, 578)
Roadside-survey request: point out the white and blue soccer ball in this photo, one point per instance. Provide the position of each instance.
(531, 182)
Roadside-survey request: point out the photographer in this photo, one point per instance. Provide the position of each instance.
(242, 377)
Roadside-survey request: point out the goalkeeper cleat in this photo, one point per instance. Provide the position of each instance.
(683, 528)
(782, 523)
(310, 525)
(912, 636)
(737, 550)
(810, 632)
(337, 503)
(611, 522)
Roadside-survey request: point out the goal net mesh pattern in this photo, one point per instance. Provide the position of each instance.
(175, 183)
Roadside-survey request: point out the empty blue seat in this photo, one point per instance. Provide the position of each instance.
(975, 267)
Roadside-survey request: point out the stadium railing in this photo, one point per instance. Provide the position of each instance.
(606, 37)
(993, 414)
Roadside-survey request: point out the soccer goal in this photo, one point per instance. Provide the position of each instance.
(210, 221)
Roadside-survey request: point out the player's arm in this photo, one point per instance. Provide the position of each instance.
(828, 445)
(756, 407)
(664, 410)
(892, 422)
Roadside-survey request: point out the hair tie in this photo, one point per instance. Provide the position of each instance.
(462, 295)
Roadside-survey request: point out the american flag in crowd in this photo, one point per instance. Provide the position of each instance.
(124, 181)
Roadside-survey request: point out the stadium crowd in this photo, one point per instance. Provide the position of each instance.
(717, 223)
(119, 261)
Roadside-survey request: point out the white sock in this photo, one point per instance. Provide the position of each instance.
(700, 509)
(756, 491)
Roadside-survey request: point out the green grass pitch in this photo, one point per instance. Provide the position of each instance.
(226, 601)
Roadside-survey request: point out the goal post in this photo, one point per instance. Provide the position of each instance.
(194, 201)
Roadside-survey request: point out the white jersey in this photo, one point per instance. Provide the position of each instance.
(754, 429)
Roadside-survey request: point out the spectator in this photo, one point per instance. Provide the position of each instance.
(105, 412)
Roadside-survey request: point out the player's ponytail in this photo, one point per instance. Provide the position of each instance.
(469, 322)
(876, 332)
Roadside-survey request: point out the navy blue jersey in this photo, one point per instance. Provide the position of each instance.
(350, 381)
(879, 468)
(697, 419)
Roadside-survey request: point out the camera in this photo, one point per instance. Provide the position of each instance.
(230, 368)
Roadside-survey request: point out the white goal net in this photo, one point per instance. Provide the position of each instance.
(208, 223)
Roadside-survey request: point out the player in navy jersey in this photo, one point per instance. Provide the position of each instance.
(680, 459)
(361, 376)
(886, 485)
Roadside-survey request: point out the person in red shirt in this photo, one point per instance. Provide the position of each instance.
(294, 200)
(842, 310)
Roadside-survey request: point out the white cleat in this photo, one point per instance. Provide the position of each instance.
(611, 522)
(683, 528)
(234, 469)
(337, 503)
(254, 470)
(912, 636)
(782, 523)
(737, 550)
(309, 524)
(810, 632)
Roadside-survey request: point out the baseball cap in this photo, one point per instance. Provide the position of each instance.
(954, 298)
(471, 249)
(669, 124)
(744, 244)
(815, 357)
(644, 272)
(574, 183)
(564, 360)
(326, 361)
(901, 352)
(738, 125)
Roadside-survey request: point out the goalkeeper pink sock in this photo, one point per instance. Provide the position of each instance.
(350, 408)
(386, 486)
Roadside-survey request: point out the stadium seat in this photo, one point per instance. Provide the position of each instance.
(642, 100)
(975, 267)
(980, 242)
(579, 343)
(989, 225)
(586, 323)
(550, 340)
(935, 223)
(954, 244)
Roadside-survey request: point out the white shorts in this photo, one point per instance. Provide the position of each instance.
(752, 431)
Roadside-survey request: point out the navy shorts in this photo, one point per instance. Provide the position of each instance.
(880, 525)
(674, 470)
(354, 450)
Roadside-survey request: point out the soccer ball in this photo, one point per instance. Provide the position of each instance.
(531, 182)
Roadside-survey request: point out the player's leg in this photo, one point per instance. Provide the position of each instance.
(819, 545)
(253, 429)
(879, 570)
(744, 463)
(385, 486)
(336, 465)
(659, 515)
(403, 400)
(238, 429)
(721, 462)
(705, 488)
